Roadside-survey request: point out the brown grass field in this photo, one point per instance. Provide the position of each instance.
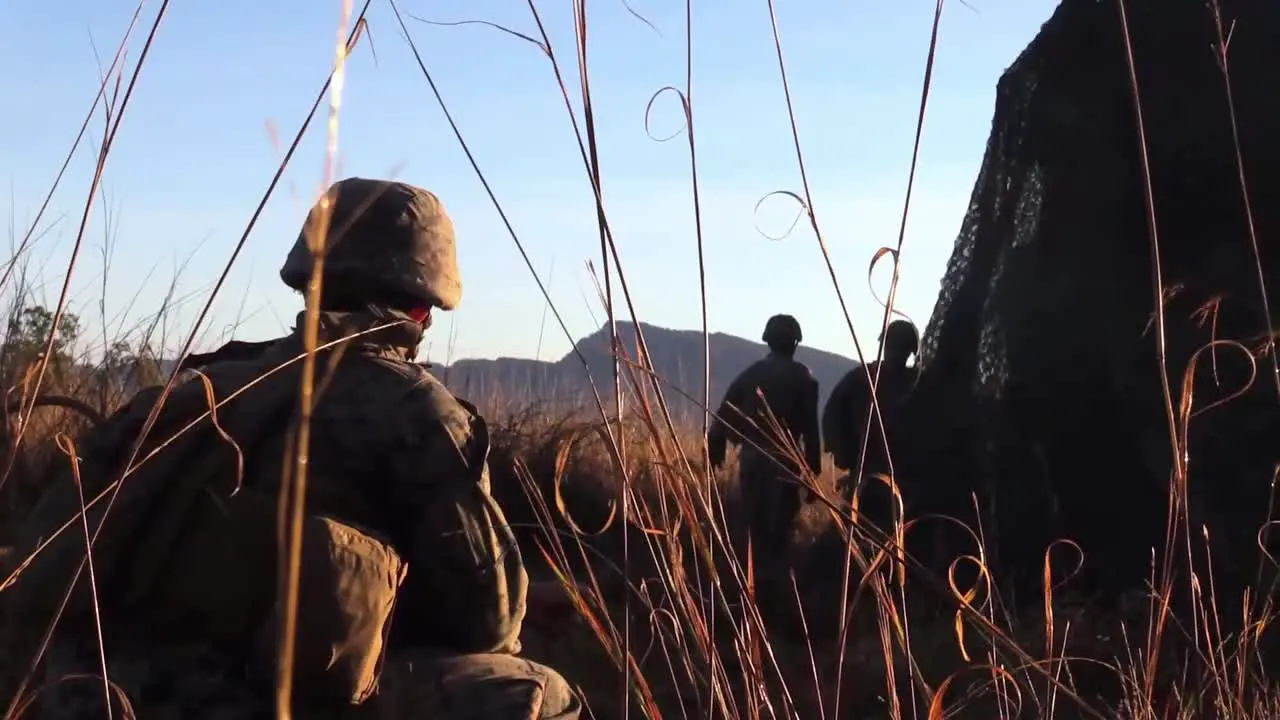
(656, 589)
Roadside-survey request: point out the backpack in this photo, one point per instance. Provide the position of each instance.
(190, 554)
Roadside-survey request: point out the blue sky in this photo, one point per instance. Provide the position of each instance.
(196, 150)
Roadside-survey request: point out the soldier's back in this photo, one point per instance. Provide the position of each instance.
(782, 384)
(846, 414)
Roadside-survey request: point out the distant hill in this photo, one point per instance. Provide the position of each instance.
(677, 357)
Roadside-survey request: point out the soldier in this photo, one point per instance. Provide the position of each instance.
(399, 518)
(769, 474)
(845, 414)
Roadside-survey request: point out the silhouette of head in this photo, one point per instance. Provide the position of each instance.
(900, 342)
(782, 334)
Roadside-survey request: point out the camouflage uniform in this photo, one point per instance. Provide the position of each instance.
(844, 418)
(768, 475)
(392, 455)
(427, 684)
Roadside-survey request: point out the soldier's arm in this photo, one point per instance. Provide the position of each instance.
(835, 415)
(467, 585)
(858, 407)
(735, 397)
(810, 433)
(717, 443)
(717, 434)
(718, 437)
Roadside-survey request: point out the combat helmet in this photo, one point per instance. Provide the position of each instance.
(782, 330)
(900, 339)
(386, 240)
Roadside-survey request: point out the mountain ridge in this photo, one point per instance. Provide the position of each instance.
(677, 359)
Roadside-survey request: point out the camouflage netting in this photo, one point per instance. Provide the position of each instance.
(1041, 368)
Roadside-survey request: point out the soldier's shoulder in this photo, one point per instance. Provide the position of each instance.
(754, 370)
(802, 371)
(418, 387)
(420, 399)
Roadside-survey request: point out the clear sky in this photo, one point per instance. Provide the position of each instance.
(227, 85)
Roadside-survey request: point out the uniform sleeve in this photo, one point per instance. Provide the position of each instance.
(835, 421)
(467, 585)
(726, 417)
(810, 433)
(857, 405)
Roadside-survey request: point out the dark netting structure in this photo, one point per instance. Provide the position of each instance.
(1042, 392)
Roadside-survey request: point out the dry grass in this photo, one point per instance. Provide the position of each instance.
(775, 649)
(969, 656)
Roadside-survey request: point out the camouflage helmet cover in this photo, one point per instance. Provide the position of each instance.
(782, 329)
(386, 239)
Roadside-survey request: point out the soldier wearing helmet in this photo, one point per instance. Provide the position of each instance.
(399, 517)
(845, 416)
(771, 411)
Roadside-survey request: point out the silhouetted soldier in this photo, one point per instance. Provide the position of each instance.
(845, 416)
(770, 410)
